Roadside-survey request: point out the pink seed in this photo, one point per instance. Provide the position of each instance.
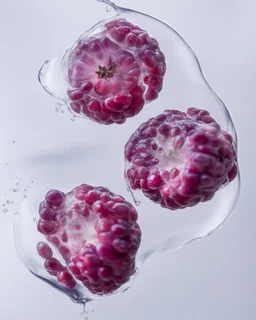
(46, 227)
(67, 280)
(44, 250)
(53, 266)
(55, 197)
(47, 214)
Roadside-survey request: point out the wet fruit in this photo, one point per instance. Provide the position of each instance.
(96, 234)
(179, 159)
(113, 73)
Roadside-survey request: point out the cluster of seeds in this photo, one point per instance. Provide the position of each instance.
(96, 234)
(179, 159)
(113, 73)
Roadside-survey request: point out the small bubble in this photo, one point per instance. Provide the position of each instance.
(73, 119)
(35, 220)
(14, 142)
(11, 202)
(108, 8)
(3, 204)
(17, 183)
(25, 190)
(8, 201)
(32, 181)
(15, 190)
(16, 212)
(62, 111)
(7, 163)
(57, 109)
(5, 210)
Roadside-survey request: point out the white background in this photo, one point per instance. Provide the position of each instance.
(210, 279)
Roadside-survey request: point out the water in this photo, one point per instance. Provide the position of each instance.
(74, 152)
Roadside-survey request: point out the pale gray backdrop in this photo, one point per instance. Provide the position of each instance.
(210, 279)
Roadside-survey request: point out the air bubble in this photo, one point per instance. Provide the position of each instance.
(5, 210)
